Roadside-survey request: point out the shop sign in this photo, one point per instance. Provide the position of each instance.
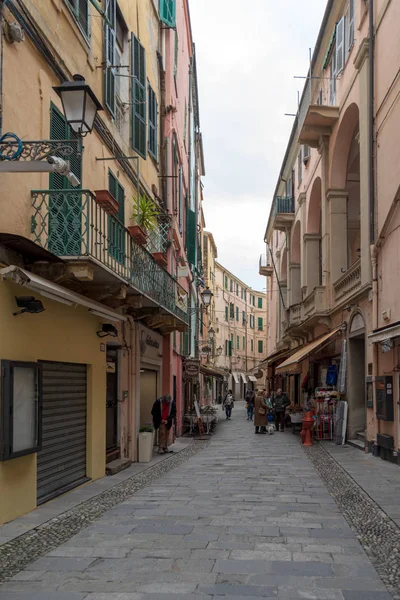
(147, 340)
(192, 368)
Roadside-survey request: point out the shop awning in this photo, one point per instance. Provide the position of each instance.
(385, 333)
(273, 358)
(235, 377)
(56, 292)
(252, 378)
(292, 363)
(244, 378)
(212, 371)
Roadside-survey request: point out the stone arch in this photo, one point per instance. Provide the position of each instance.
(347, 129)
(284, 265)
(356, 373)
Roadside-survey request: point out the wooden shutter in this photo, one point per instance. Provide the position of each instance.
(138, 97)
(351, 25)
(230, 347)
(340, 46)
(260, 346)
(191, 236)
(110, 57)
(58, 131)
(153, 110)
(226, 313)
(168, 12)
(260, 323)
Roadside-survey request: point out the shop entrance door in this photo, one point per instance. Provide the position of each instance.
(148, 394)
(112, 445)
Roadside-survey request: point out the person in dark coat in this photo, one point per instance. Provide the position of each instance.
(281, 402)
(163, 413)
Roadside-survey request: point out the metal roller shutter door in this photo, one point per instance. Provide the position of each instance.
(61, 463)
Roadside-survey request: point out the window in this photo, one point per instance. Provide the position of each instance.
(260, 324)
(243, 317)
(80, 10)
(244, 343)
(226, 313)
(237, 289)
(289, 188)
(21, 406)
(226, 347)
(153, 116)
(167, 12)
(260, 302)
(306, 153)
(230, 348)
(116, 225)
(332, 80)
(176, 53)
(237, 313)
(245, 295)
(226, 282)
(300, 166)
(252, 345)
(110, 58)
(231, 311)
(138, 97)
(252, 321)
(231, 285)
(260, 346)
(340, 41)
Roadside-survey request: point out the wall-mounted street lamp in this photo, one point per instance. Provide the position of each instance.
(219, 350)
(211, 333)
(80, 105)
(28, 304)
(207, 297)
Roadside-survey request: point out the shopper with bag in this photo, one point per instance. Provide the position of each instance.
(228, 405)
(260, 413)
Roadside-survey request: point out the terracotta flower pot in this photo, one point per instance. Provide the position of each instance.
(160, 259)
(107, 201)
(137, 234)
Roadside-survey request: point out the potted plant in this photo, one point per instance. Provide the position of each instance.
(145, 217)
(146, 443)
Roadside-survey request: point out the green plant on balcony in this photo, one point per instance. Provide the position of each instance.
(145, 218)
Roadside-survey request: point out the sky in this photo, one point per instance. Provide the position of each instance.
(248, 53)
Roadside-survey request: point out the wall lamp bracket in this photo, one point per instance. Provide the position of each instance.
(107, 330)
(28, 304)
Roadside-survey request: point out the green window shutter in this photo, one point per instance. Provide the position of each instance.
(226, 282)
(153, 117)
(176, 51)
(260, 323)
(60, 130)
(116, 229)
(231, 311)
(243, 317)
(181, 199)
(138, 97)
(191, 236)
(260, 302)
(260, 346)
(237, 313)
(226, 313)
(226, 347)
(201, 324)
(110, 57)
(252, 345)
(230, 348)
(186, 342)
(167, 12)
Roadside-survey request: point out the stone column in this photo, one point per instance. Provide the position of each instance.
(295, 284)
(337, 217)
(323, 150)
(311, 263)
(361, 62)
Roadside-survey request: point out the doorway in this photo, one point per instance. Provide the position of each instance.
(112, 445)
(148, 394)
(356, 378)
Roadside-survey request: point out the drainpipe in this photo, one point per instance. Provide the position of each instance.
(371, 122)
(2, 25)
(132, 381)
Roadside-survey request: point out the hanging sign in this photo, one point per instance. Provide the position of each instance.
(192, 367)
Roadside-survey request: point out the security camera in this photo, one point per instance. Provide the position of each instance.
(63, 167)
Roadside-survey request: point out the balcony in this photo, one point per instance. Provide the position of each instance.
(348, 284)
(100, 253)
(315, 120)
(315, 303)
(265, 267)
(295, 315)
(282, 212)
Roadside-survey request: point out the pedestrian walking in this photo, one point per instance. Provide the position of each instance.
(228, 404)
(260, 413)
(250, 397)
(281, 401)
(163, 413)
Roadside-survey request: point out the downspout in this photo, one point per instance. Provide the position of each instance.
(371, 123)
(2, 25)
(132, 380)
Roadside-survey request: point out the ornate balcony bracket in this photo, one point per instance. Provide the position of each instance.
(36, 150)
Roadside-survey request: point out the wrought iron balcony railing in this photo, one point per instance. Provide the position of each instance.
(70, 224)
(283, 205)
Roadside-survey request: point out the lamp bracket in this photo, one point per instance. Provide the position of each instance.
(36, 150)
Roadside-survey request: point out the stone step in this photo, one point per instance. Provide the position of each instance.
(117, 465)
(356, 443)
(361, 435)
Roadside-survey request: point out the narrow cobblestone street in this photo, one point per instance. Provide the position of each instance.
(247, 517)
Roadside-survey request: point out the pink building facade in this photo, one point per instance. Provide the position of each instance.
(332, 234)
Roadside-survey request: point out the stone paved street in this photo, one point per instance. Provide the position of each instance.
(246, 518)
